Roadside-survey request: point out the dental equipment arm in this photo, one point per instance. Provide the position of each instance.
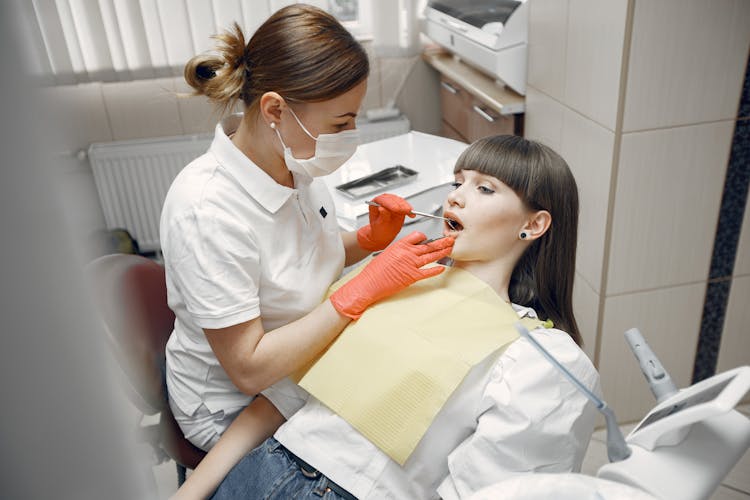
(658, 378)
(617, 449)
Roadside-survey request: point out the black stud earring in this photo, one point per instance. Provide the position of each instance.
(523, 235)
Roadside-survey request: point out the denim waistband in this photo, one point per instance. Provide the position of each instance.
(311, 472)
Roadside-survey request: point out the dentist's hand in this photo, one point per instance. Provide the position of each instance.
(385, 222)
(393, 270)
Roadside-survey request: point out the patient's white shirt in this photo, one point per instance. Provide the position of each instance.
(513, 413)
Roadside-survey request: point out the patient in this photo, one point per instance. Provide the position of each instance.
(514, 215)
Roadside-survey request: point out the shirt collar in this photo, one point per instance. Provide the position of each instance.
(258, 184)
(524, 312)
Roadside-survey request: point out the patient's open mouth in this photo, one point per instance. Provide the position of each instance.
(453, 223)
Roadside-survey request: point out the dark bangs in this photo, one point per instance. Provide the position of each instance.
(501, 156)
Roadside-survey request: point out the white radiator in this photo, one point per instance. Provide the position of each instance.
(133, 177)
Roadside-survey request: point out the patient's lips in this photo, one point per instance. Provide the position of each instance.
(453, 224)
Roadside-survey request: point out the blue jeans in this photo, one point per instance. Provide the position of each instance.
(268, 472)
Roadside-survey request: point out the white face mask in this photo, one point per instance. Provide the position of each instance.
(331, 151)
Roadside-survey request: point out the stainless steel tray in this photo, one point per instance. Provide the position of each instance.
(379, 181)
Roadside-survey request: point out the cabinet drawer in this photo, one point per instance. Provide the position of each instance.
(451, 133)
(483, 121)
(454, 102)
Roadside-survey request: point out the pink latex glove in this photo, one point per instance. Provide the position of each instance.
(390, 272)
(385, 222)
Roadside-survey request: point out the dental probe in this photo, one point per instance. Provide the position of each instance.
(421, 214)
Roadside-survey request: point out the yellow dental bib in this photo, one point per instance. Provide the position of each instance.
(389, 373)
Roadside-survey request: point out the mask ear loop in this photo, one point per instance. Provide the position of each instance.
(301, 125)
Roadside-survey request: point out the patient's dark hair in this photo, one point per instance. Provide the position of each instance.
(543, 276)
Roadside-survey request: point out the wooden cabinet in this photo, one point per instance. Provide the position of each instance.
(466, 118)
(473, 105)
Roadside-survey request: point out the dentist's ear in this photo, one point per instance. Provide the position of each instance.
(270, 106)
(536, 226)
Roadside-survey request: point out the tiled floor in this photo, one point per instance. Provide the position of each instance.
(736, 486)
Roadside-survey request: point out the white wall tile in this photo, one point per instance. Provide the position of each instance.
(79, 115)
(589, 148)
(687, 62)
(543, 120)
(742, 262)
(143, 108)
(373, 98)
(586, 310)
(419, 99)
(668, 193)
(393, 74)
(595, 40)
(547, 41)
(197, 114)
(669, 320)
(735, 340)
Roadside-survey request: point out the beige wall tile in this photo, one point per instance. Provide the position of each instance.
(543, 120)
(595, 40)
(547, 42)
(586, 310)
(687, 62)
(197, 114)
(742, 262)
(735, 341)
(589, 148)
(144, 108)
(78, 113)
(668, 193)
(669, 320)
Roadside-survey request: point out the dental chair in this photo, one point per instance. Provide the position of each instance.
(131, 293)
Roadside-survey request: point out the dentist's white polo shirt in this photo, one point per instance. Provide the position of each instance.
(238, 245)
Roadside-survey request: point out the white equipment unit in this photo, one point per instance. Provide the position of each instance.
(491, 35)
(682, 448)
(685, 446)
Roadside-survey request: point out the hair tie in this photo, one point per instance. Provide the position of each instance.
(205, 72)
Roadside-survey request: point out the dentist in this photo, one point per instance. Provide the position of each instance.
(249, 234)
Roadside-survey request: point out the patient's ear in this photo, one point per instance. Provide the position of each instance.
(537, 225)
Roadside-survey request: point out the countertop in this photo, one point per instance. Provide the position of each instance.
(495, 95)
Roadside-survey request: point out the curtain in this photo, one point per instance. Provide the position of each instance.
(72, 41)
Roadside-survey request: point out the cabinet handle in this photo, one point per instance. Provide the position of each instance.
(450, 88)
(484, 114)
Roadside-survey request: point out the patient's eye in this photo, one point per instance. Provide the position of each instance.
(485, 190)
(456, 185)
